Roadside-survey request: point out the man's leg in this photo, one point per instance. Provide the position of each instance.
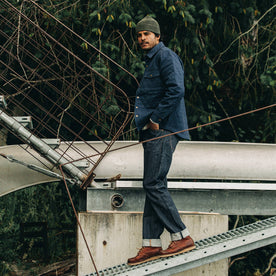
(160, 211)
(151, 246)
(157, 161)
(152, 226)
(152, 230)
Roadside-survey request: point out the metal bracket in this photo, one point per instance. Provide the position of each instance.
(53, 143)
(26, 121)
(3, 103)
(81, 164)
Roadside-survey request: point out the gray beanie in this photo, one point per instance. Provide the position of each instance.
(148, 24)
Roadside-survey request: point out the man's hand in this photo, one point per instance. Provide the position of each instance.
(153, 126)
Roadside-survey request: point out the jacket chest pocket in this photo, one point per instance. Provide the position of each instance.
(152, 80)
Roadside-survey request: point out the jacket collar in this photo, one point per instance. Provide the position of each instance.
(154, 50)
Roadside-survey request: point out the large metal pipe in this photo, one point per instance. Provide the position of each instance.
(192, 160)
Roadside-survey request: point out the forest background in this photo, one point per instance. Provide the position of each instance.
(229, 55)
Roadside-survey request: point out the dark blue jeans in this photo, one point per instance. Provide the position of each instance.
(159, 210)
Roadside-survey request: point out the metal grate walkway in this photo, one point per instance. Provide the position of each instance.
(208, 250)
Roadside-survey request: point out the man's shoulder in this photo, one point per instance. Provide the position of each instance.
(168, 56)
(164, 48)
(167, 52)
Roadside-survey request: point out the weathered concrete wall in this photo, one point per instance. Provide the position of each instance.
(113, 237)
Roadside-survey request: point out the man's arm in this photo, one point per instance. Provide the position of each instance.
(172, 75)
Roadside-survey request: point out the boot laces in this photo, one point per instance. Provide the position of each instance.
(172, 244)
(140, 251)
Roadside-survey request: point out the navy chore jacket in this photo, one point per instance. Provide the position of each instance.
(160, 96)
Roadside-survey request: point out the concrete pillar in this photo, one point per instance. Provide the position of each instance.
(113, 237)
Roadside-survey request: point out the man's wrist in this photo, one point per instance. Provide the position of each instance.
(153, 125)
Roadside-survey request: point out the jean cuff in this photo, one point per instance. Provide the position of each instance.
(180, 235)
(152, 242)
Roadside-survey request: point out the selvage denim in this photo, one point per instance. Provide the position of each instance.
(159, 211)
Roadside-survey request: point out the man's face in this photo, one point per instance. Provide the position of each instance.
(147, 40)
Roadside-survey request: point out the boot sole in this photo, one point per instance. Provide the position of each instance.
(179, 252)
(147, 260)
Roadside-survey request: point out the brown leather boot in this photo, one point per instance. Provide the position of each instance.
(176, 247)
(145, 254)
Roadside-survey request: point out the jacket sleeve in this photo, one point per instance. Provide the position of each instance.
(172, 76)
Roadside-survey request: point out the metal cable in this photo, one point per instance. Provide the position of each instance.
(78, 221)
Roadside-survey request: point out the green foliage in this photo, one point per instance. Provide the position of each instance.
(220, 80)
(228, 50)
(44, 203)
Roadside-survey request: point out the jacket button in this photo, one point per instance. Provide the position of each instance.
(137, 115)
(137, 97)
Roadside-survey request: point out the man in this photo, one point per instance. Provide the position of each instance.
(159, 111)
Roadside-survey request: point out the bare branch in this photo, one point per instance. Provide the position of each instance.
(243, 34)
(269, 264)
(18, 40)
(237, 259)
